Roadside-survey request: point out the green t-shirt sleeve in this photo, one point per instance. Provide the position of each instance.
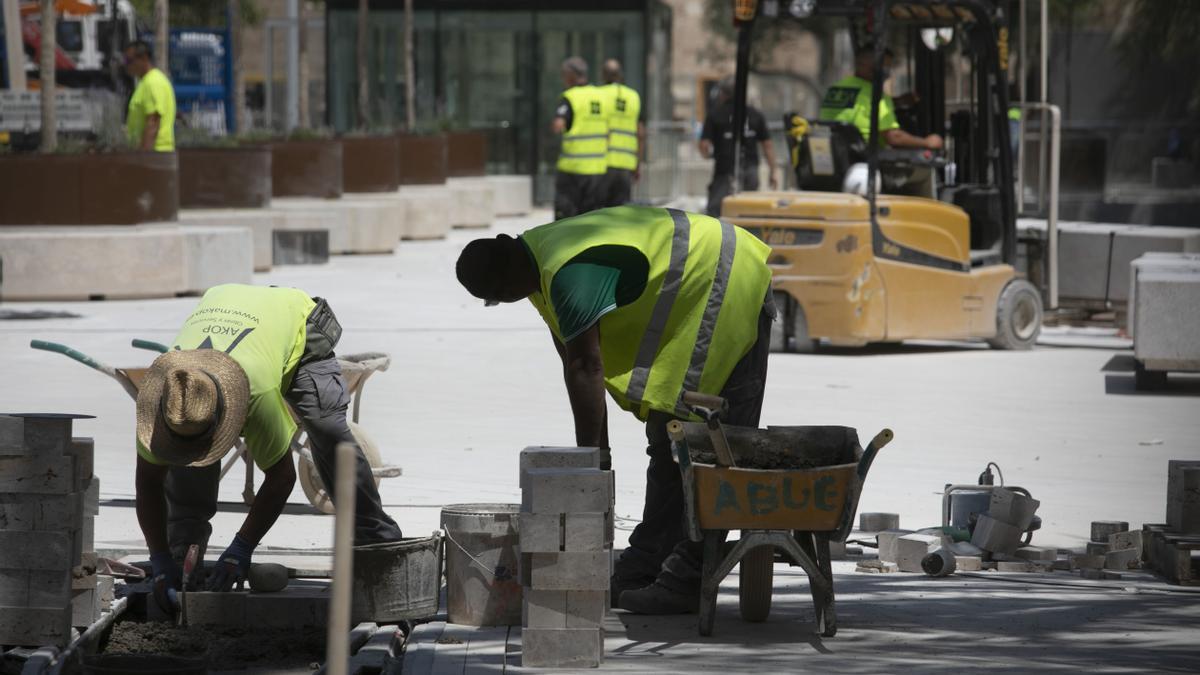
(268, 429)
(581, 293)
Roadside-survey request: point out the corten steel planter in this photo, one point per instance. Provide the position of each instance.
(369, 163)
(120, 188)
(225, 178)
(422, 159)
(466, 153)
(306, 168)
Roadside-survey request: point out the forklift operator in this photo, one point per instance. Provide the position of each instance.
(849, 101)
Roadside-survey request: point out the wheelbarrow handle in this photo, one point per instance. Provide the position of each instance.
(74, 354)
(881, 439)
(150, 345)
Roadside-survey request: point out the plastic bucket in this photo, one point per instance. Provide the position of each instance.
(396, 581)
(483, 587)
(143, 664)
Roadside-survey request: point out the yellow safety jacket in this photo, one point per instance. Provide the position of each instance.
(625, 107)
(697, 315)
(585, 144)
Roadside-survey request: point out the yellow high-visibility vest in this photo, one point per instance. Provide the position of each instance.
(697, 315)
(585, 144)
(625, 108)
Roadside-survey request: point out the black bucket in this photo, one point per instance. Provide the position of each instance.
(143, 664)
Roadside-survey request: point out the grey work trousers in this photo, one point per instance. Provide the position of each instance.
(319, 397)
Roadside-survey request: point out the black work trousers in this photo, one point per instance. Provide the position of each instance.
(620, 187)
(722, 186)
(659, 546)
(576, 193)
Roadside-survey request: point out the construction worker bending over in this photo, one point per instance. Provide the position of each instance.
(582, 121)
(242, 356)
(626, 135)
(647, 303)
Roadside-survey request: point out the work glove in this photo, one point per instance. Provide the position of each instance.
(163, 565)
(233, 565)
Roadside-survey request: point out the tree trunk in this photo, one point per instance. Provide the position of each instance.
(303, 120)
(162, 36)
(46, 70)
(410, 85)
(240, 119)
(364, 89)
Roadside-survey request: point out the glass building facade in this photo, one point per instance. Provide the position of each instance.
(494, 66)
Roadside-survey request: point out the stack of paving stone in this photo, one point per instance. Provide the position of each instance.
(48, 498)
(1170, 549)
(566, 534)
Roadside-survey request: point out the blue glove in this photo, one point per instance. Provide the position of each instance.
(233, 565)
(163, 565)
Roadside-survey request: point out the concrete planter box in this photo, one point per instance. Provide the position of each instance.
(422, 159)
(369, 163)
(121, 188)
(306, 168)
(225, 178)
(466, 153)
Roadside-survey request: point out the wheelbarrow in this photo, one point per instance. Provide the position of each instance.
(356, 368)
(792, 488)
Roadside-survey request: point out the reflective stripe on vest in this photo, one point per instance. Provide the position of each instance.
(585, 144)
(695, 318)
(625, 107)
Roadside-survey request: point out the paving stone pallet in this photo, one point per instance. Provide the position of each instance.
(1170, 554)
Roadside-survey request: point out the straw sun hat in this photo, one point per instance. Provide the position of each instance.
(191, 406)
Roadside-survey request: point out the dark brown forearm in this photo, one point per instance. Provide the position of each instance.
(151, 504)
(583, 372)
(269, 501)
(150, 133)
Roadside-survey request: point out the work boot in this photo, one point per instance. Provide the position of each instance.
(619, 585)
(659, 600)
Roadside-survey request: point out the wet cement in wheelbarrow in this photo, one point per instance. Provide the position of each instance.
(783, 449)
(222, 648)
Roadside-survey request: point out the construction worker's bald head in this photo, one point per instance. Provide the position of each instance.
(612, 71)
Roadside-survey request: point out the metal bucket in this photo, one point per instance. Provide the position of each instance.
(395, 581)
(483, 587)
(143, 664)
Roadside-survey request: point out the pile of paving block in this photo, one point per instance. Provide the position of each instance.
(566, 537)
(1170, 548)
(48, 499)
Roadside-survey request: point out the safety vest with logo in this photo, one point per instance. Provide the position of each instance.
(697, 315)
(585, 144)
(624, 109)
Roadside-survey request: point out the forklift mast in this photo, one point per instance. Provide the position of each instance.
(982, 152)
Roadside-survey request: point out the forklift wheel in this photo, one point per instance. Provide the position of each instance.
(1018, 316)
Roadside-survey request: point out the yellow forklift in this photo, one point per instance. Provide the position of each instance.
(853, 269)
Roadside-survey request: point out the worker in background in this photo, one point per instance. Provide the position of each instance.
(626, 135)
(582, 121)
(849, 101)
(647, 303)
(150, 124)
(716, 141)
(242, 356)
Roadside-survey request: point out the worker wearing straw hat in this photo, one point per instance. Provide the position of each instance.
(242, 356)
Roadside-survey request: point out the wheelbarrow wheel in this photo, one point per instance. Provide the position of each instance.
(755, 583)
(310, 479)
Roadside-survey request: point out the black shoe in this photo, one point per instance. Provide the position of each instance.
(658, 599)
(617, 586)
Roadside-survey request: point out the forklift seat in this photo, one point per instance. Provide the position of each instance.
(822, 152)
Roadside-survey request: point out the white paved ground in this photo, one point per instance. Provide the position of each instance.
(470, 386)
